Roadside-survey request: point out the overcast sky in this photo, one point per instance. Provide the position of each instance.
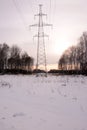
(69, 19)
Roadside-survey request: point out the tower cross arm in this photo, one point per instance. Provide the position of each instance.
(41, 63)
(34, 25)
(43, 35)
(40, 14)
(46, 24)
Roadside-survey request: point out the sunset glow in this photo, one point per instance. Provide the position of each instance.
(60, 46)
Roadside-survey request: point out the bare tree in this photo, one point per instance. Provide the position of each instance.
(4, 50)
(75, 57)
(27, 61)
(14, 60)
(83, 51)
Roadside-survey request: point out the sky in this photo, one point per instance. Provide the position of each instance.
(69, 19)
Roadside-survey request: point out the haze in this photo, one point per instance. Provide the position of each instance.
(68, 17)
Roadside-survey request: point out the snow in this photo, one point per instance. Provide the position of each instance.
(40, 103)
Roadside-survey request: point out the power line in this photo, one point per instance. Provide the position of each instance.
(54, 10)
(19, 12)
(30, 3)
(41, 54)
(50, 5)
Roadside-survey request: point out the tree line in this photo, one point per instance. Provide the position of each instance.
(75, 57)
(12, 58)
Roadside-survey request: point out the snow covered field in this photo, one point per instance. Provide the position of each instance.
(52, 103)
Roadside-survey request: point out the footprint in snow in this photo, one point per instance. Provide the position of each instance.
(64, 84)
(3, 118)
(43, 120)
(18, 114)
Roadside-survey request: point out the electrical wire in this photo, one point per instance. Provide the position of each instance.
(30, 3)
(54, 10)
(50, 2)
(19, 12)
(35, 2)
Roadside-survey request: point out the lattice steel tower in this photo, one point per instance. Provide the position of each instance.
(41, 53)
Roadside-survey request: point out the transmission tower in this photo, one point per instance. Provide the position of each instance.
(41, 53)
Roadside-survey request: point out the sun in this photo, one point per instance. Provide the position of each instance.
(61, 45)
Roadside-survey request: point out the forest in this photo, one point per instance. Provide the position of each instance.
(13, 60)
(75, 57)
(72, 61)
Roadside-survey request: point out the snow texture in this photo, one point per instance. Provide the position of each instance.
(52, 103)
